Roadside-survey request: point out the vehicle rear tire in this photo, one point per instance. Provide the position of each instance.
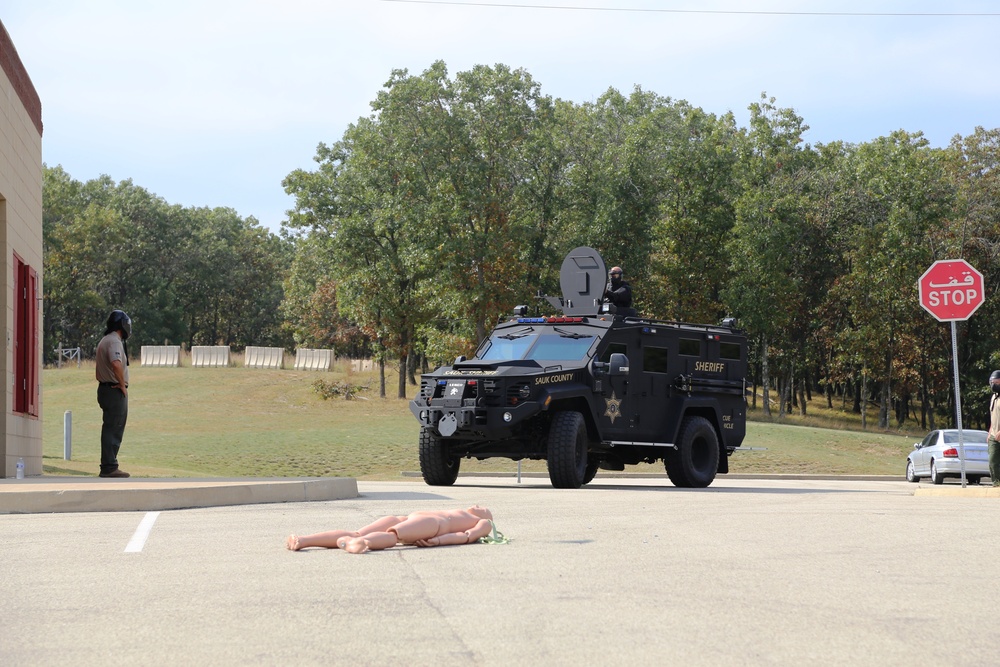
(696, 460)
(972, 480)
(935, 477)
(911, 476)
(438, 467)
(567, 455)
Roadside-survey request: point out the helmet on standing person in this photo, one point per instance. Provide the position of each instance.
(119, 321)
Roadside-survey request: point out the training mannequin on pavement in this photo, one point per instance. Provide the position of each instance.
(422, 529)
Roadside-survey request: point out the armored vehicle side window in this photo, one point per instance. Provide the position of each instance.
(654, 360)
(729, 351)
(690, 347)
(614, 348)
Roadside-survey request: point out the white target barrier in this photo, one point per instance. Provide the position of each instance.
(206, 356)
(160, 355)
(263, 357)
(362, 365)
(307, 359)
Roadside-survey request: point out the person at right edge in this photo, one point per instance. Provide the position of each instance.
(992, 443)
(112, 390)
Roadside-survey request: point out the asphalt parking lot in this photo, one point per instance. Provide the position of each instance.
(746, 572)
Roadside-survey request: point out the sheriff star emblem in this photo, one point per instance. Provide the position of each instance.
(613, 407)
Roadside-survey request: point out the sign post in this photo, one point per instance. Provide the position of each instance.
(952, 290)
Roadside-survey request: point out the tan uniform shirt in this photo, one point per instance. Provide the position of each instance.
(110, 349)
(995, 417)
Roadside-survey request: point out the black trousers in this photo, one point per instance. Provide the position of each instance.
(115, 406)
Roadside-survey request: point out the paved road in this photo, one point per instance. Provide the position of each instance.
(747, 572)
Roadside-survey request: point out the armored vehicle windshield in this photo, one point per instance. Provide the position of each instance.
(549, 344)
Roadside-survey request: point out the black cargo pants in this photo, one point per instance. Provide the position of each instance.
(115, 406)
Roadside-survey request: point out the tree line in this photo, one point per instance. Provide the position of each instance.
(192, 276)
(458, 196)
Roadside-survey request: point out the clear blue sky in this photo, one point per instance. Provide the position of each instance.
(214, 102)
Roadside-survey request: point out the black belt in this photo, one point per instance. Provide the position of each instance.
(111, 384)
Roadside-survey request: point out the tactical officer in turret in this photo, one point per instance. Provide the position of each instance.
(618, 292)
(112, 390)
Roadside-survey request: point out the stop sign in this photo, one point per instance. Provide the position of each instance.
(952, 289)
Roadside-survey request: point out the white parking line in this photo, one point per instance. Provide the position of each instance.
(138, 540)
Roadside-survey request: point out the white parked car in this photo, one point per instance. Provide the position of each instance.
(937, 456)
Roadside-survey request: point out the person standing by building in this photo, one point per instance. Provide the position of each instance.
(992, 442)
(112, 390)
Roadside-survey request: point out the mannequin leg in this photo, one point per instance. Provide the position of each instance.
(369, 542)
(330, 538)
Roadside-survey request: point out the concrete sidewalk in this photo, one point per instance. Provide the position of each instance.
(52, 494)
(95, 494)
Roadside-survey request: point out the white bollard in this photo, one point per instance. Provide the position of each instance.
(68, 436)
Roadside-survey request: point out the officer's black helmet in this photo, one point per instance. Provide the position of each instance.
(119, 321)
(995, 375)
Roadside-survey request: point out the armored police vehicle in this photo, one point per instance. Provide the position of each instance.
(589, 388)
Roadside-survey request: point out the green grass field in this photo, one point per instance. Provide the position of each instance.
(239, 422)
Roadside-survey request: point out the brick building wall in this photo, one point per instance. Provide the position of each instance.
(21, 244)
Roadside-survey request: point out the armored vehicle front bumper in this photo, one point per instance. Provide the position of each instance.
(471, 421)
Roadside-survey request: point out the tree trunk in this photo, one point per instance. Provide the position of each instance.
(883, 406)
(411, 367)
(381, 376)
(785, 392)
(401, 386)
(803, 391)
(781, 397)
(765, 381)
(923, 404)
(863, 397)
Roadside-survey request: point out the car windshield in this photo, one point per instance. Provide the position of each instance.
(526, 344)
(951, 437)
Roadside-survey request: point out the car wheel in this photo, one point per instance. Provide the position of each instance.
(696, 459)
(910, 475)
(972, 480)
(567, 455)
(591, 471)
(935, 477)
(437, 465)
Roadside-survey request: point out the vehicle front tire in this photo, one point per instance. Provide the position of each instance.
(911, 476)
(567, 454)
(591, 471)
(438, 467)
(935, 477)
(696, 460)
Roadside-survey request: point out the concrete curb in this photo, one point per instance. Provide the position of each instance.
(49, 494)
(959, 492)
(649, 475)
